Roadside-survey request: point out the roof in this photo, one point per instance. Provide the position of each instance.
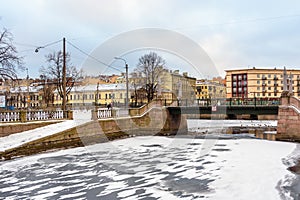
(259, 69)
(101, 87)
(23, 89)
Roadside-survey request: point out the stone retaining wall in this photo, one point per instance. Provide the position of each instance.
(288, 127)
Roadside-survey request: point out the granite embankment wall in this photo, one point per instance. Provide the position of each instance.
(288, 127)
(157, 121)
(11, 128)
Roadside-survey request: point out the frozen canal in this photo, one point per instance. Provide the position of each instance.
(154, 168)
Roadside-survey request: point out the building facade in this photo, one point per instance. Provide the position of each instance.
(210, 90)
(97, 94)
(261, 83)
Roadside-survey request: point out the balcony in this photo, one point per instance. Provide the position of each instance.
(264, 84)
(275, 84)
(275, 78)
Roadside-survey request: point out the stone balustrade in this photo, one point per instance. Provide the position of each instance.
(10, 116)
(25, 116)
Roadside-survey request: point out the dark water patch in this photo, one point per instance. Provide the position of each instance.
(189, 185)
(208, 162)
(199, 160)
(140, 191)
(220, 145)
(199, 168)
(221, 150)
(152, 145)
(134, 181)
(194, 144)
(178, 166)
(171, 164)
(152, 170)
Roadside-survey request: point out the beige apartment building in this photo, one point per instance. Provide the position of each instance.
(88, 95)
(209, 89)
(260, 83)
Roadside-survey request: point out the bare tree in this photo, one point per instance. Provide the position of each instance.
(150, 66)
(48, 88)
(137, 84)
(9, 60)
(54, 71)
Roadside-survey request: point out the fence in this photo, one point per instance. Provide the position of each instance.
(10, 116)
(24, 116)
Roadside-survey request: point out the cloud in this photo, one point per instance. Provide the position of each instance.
(234, 33)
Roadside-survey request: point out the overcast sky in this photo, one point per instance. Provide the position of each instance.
(234, 34)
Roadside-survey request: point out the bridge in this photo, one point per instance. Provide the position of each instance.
(229, 108)
(224, 109)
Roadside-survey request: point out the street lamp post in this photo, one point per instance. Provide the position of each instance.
(64, 71)
(126, 67)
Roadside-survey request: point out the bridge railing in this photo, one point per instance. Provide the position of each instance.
(226, 102)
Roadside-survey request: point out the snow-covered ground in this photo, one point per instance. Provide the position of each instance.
(154, 168)
(14, 140)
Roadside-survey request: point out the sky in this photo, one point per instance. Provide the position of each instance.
(234, 34)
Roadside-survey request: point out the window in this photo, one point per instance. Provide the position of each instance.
(74, 96)
(269, 94)
(258, 75)
(258, 88)
(258, 82)
(258, 94)
(269, 88)
(269, 75)
(269, 82)
(71, 96)
(121, 96)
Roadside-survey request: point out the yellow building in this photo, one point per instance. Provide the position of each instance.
(177, 86)
(209, 90)
(261, 83)
(100, 94)
(171, 86)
